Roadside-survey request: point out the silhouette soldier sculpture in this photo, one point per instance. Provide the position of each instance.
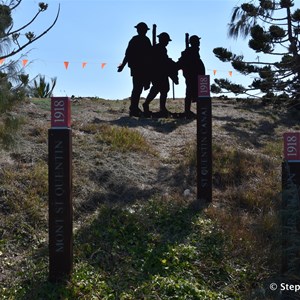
(191, 65)
(162, 67)
(137, 56)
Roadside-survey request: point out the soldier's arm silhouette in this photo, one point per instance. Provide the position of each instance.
(127, 54)
(123, 64)
(125, 60)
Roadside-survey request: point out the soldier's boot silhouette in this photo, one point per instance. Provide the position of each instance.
(152, 94)
(187, 105)
(134, 110)
(147, 112)
(187, 109)
(162, 103)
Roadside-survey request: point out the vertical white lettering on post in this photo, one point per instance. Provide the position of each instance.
(60, 192)
(290, 206)
(204, 142)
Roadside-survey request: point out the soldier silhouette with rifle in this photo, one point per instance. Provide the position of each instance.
(191, 65)
(162, 67)
(138, 55)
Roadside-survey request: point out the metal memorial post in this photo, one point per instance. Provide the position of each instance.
(60, 191)
(291, 207)
(204, 142)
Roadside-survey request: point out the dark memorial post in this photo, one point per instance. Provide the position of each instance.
(204, 142)
(290, 268)
(60, 191)
(290, 203)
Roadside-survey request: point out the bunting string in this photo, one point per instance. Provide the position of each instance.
(104, 64)
(214, 71)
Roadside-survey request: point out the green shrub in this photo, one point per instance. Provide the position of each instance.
(41, 88)
(122, 139)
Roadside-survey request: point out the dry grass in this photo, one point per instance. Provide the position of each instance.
(246, 203)
(8, 130)
(28, 194)
(121, 139)
(136, 234)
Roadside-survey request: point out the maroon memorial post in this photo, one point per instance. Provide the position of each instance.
(291, 207)
(204, 142)
(60, 191)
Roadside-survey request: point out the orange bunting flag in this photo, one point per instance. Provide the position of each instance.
(2, 61)
(103, 65)
(24, 62)
(66, 63)
(215, 72)
(230, 73)
(84, 64)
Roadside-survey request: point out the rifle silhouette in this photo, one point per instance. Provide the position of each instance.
(154, 34)
(187, 40)
(154, 26)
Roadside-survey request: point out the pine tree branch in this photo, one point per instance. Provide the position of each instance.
(258, 63)
(18, 3)
(14, 52)
(272, 22)
(23, 27)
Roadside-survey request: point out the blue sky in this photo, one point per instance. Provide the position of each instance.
(98, 32)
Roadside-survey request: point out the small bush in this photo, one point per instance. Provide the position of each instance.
(8, 131)
(122, 139)
(28, 193)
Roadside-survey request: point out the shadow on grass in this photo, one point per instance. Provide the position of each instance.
(252, 135)
(158, 124)
(118, 187)
(132, 244)
(122, 248)
(47, 290)
(255, 132)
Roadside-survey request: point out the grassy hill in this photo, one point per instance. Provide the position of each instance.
(136, 234)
